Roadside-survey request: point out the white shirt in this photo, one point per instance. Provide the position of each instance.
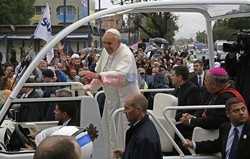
(66, 122)
(201, 76)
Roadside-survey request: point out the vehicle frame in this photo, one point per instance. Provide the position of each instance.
(191, 6)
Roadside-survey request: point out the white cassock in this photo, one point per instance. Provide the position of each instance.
(119, 80)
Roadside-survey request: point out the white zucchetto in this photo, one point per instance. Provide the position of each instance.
(114, 31)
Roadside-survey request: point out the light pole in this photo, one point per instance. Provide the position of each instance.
(89, 26)
(100, 25)
(64, 24)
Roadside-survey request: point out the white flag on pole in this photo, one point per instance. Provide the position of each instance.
(44, 30)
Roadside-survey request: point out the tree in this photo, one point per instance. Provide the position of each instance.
(16, 12)
(239, 23)
(223, 29)
(201, 36)
(160, 24)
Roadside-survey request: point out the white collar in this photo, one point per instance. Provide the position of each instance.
(201, 75)
(66, 122)
(27, 94)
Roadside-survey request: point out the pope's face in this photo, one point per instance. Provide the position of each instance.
(110, 42)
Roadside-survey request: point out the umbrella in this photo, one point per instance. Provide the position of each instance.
(134, 46)
(160, 41)
(87, 50)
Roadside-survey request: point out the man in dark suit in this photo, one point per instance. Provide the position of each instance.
(142, 138)
(65, 112)
(186, 92)
(221, 90)
(199, 78)
(233, 141)
(29, 112)
(48, 77)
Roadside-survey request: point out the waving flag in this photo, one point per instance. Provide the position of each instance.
(44, 31)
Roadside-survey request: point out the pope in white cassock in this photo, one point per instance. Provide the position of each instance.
(117, 74)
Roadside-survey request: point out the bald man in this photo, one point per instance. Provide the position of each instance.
(116, 72)
(142, 138)
(58, 147)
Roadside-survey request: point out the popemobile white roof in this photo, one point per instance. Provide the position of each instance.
(211, 9)
(216, 9)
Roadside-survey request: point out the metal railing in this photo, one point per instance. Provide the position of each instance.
(157, 122)
(74, 86)
(142, 90)
(114, 115)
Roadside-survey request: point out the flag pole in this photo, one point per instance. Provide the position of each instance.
(44, 30)
(32, 39)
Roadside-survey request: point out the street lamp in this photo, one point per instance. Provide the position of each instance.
(100, 25)
(64, 24)
(89, 26)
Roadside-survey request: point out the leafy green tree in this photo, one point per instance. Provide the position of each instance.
(239, 23)
(163, 25)
(201, 36)
(14, 12)
(223, 29)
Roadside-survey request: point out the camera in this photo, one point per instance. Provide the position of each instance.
(242, 43)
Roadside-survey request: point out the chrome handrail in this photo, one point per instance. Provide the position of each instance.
(142, 90)
(157, 122)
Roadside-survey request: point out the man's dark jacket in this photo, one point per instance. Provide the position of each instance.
(214, 117)
(187, 94)
(29, 112)
(72, 122)
(142, 141)
(219, 145)
(202, 89)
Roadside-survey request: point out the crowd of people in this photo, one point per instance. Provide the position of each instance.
(121, 71)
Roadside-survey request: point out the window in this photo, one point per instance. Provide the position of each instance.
(39, 10)
(69, 10)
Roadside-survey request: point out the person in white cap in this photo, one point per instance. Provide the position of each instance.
(116, 72)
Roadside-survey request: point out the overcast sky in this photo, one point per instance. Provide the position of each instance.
(189, 23)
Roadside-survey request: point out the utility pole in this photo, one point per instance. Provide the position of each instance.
(64, 24)
(100, 25)
(89, 36)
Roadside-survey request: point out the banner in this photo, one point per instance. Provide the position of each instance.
(84, 9)
(44, 30)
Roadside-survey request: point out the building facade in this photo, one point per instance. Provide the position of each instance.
(20, 36)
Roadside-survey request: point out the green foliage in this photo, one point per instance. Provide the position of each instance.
(239, 23)
(223, 29)
(16, 12)
(163, 25)
(201, 36)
